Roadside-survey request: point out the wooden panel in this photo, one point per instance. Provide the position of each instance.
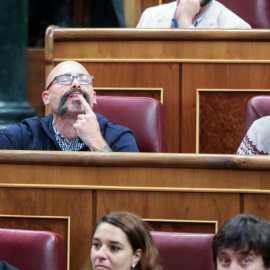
(180, 179)
(257, 205)
(132, 92)
(168, 205)
(160, 51)
(219, 108)
(175, 172)
(214, 77)
(184, 226)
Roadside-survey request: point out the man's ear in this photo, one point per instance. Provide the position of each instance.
(95, 97)
(137, 256)
(45, 97)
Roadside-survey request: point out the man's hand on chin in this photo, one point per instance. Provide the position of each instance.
(87, 128)
(186, 11)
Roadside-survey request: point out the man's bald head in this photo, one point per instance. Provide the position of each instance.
(62, 96)
(65, 67)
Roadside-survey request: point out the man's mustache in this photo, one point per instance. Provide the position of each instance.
(62, 108)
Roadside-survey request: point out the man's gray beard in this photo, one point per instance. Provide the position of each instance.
(204, 2)
(63, 108)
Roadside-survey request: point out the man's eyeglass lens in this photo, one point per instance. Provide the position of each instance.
(68, 79)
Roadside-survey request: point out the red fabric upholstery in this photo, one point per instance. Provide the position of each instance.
(32, 250)
(192, 251)
(254, 12)
(143, 115)
(257, 107)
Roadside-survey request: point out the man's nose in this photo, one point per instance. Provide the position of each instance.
(235, 266)
(75, 83)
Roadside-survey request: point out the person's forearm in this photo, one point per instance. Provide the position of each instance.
(100, 146)
(105, 148)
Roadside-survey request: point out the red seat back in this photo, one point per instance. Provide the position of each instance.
(32, 250)
(192, 251)
(143, 115)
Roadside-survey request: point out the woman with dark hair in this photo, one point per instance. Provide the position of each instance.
(122, 241)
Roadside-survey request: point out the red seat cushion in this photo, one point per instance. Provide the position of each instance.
(143, 115)
(32, 250)
(188, 251)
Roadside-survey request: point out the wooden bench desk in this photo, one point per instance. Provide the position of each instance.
(68, 192)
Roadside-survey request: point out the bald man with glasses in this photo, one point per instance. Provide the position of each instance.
(72, 125)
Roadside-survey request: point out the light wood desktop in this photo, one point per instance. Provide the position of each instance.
(68, 192)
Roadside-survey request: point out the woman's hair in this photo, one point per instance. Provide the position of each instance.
(137, 232)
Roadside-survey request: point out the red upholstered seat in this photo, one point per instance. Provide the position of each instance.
(187, 251)
(254, 12)
(33, 250)
(257, 107)
(143, 115)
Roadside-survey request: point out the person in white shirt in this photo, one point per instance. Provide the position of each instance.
(191, 13)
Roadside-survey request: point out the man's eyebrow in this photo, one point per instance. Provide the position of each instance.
(222, 253)
(247, 252)
(65, 74)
